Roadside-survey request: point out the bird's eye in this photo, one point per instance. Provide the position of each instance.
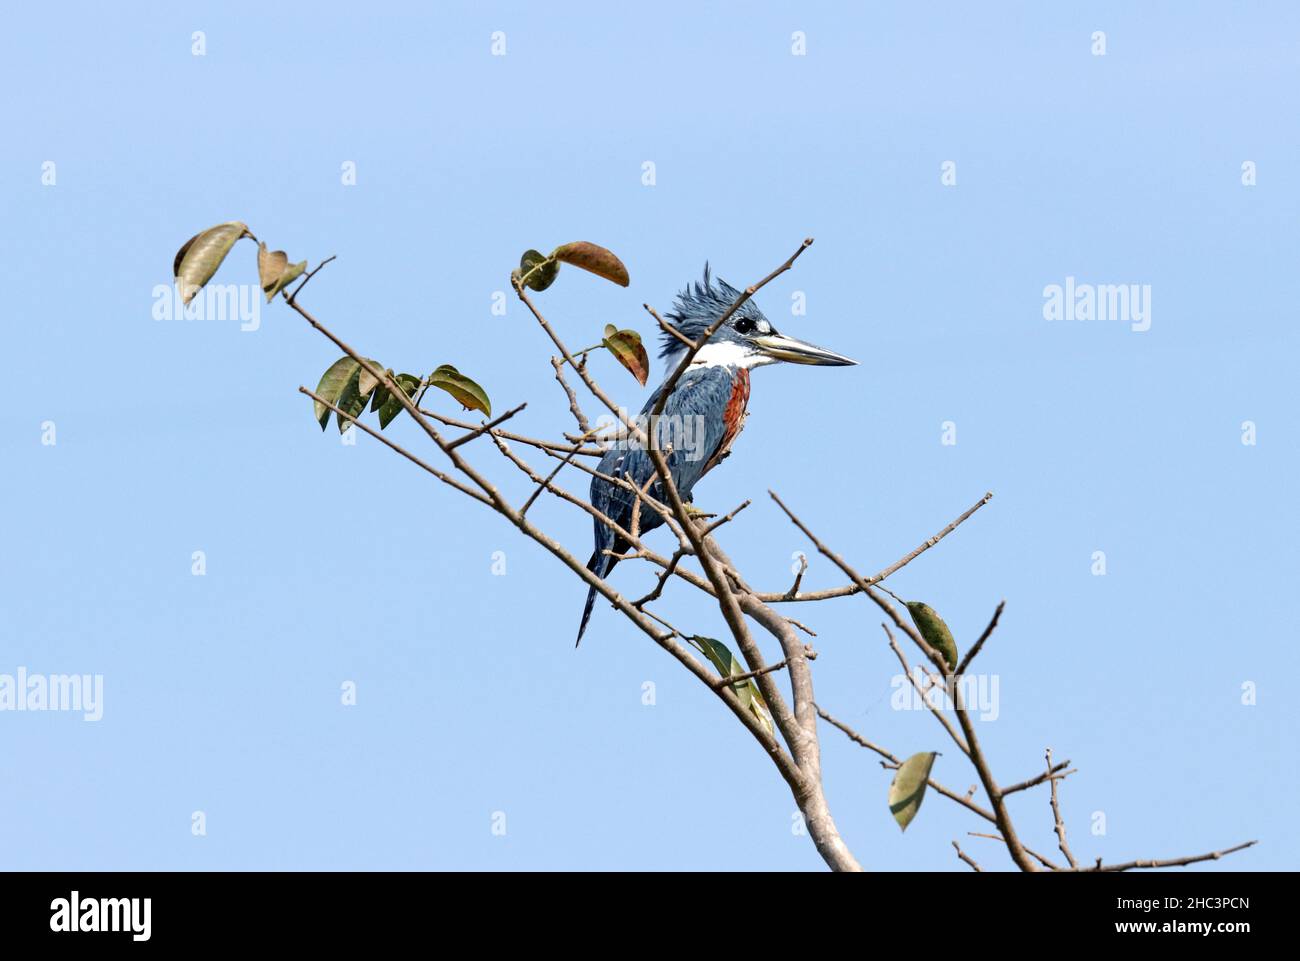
(744, 326)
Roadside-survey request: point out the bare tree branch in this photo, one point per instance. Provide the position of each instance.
(450, 481)
(310, 274)
(960, 854)
(937, 712)
(565, 448)
(854, 588)
(979, 644)
(477, 431)
(965, 800)
(1038, 778)
(741, 678)
(668, 328)
(663, 576)
(1009, 836)
(798, 579)
(1032, 853)
(1169, 862)
(1056, 815)
(546, 484)
(576, 410)
(726, 518)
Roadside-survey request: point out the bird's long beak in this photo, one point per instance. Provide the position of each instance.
(795, 351)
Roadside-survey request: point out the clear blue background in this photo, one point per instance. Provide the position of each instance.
(329, 563)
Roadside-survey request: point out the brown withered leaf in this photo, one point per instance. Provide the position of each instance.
(593, 257)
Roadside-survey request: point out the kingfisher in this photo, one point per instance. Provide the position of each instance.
(702, 415)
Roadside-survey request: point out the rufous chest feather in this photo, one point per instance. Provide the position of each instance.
(733, 416)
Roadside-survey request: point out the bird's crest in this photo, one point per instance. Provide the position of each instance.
(698, 306)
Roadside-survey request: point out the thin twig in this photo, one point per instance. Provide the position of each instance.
(576, 410)
(803, 627)
(450, 481)
(961, 854)
(725, 518)
(638, 493)
(666, 573)
(892, 760)
(988, 632)
(289, 298)
(938, 713)
(1032, 853)
(738, 678)
(850, 589)
(1019, 853)
(908, 558)
(669, 328)
(1038, 778)
(578, 449)
(1056, 815)
(1169, 862)
(674, 632)
(477, 431)
(798, 578)
(545, 484)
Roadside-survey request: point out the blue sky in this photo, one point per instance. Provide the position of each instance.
(328, 563)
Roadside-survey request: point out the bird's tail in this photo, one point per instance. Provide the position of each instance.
(600, 565)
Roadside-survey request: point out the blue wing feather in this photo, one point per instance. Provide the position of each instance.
(693, 425)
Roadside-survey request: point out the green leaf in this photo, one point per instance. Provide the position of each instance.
(381, 395)
(908, 787)
(392, 406)
(275, 272)
(728, 666)
(594, 258)
(935, 631)
(628, 350)
(470, 395)
(202, 254)
(352, 401)
(367, 382)
(331, 386)
(544, 276)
